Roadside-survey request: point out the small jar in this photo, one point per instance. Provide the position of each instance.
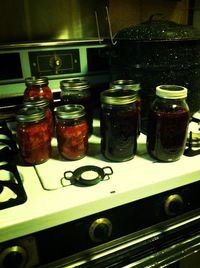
(119, 124)
(168, 123)
(77, 91)
(33, 135)
(71, 131)
(43, 103)
(37, 87)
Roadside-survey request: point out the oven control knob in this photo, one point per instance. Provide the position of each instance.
(15, 256)
(173, 205)
(100, 230)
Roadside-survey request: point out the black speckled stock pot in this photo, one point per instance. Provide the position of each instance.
(158, 52)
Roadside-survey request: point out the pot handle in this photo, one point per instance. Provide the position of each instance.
(110, 27)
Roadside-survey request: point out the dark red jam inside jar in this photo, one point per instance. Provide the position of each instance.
(132, 85)
(119, 124)
(38, 86)
(168, 123)
(77, 91)
(71, 131)
(33, 135)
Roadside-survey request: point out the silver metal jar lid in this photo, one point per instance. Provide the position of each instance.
(171, 92)
(118, 96)
(36, 81)
(75, 84)
(70, 111)
(30, 114)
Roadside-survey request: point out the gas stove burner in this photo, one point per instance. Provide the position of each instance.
(12, 192)
(11, 189)
(86, 175)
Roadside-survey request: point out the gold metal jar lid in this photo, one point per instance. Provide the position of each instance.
(36, 81)
(70, 111)
(125, 84)
(74, 84)
(30, 114)
(39, 101)
(118, 96)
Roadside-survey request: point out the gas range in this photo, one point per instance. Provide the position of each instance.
(53, 201)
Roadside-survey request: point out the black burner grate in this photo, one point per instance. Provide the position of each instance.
(10, 180)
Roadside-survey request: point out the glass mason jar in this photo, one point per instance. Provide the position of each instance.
(71, 131)
(130, 84)
(38, 86)
(33, 135)
(43, 103)
(119, 124)
(168, 123)
(77, 91)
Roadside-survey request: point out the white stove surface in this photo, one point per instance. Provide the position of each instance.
(49, 204)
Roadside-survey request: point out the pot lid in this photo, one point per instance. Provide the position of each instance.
(158, 29)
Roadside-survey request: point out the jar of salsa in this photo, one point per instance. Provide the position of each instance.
(119, 124)
(71, 131)
(43, 103)
(33, 135)
(38, 86)
(77, 91)
(168, 123)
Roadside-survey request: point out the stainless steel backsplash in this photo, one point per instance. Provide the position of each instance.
(47, 20)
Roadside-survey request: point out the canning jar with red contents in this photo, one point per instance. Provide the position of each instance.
(71, 131)
(168, 123)
(33, 135)
(119, 124)
(38, 86)
(77, 91)
(43, 103)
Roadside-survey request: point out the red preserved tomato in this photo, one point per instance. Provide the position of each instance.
(72, 140)
(38, 87)
(34, 140)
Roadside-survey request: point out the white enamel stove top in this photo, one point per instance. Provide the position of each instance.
(49, 204)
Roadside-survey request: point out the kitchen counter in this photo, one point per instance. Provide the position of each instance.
(49, 204)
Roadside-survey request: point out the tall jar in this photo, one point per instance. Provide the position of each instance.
(168, 123)
(71, 131)
(33, 135)
(130, 84)
(119, 124)
(43, 103)
(77, 91)
(37, 87)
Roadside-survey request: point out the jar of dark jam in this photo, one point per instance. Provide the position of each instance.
(168, 123)
(71, 131)
(119, 124)
(33, 135)
(77, 91)
(130, 84)
(38, 86)
(43, 103)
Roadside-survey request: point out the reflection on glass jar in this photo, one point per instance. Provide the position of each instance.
(71, 131)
